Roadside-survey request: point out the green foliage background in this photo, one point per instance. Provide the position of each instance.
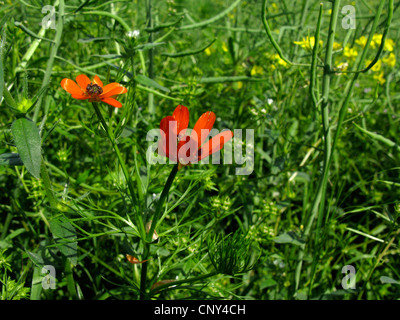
(241, 79)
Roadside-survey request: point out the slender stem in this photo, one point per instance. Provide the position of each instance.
(146, 248)
(53, 53)
(318, 199)
(271, 38)
(151, 57)
(313, 70)
(160, 202)
(325, 111)
(125, 171)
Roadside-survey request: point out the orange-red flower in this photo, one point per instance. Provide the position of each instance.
(83, 89)
(177, 145)
(133, 259)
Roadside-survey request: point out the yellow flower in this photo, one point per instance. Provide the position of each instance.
(336, 46)
(361, 41)
(390, 60)
(224, 47)
(377, 66)
(380, 78)
(343, 66)
(350, 53)
(273, 8)
(256, 70)
(208, 51)
(280, 61)
(376, 40)
(239, 84)
(389, 45)
(308, 43)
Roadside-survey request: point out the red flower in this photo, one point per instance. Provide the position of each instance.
(93, 90)
(175, 144)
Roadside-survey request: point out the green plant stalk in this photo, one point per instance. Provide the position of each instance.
(313, 70)
(319, 197)
(342, 114)
(53, 53)
(271, 38)
(121, 161)
(32, 48)
(384, 36)
(146, 244)
(350, 85)
(151, 57)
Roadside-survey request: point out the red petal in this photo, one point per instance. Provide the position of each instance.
(83, 81)
(167, 143)
(112, 102)
(110, 87)
(115, 89)
(80, 97)
(133, 259)
(97, 81)
(215, 143)
(203, 127)
(181, 115)
(71, 87)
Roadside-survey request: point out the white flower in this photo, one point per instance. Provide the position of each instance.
(133, 34)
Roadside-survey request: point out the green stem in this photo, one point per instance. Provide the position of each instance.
(146, 249)
(53, 53)
(125, 171)
(319, 197)
(151, 57)
(271, 38)
(313, 72)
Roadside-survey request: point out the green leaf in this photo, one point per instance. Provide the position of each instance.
(10, 159)
(149, 82)
(267, 283)
(379, 138)
(27, 140)
(148, 46)
(289, 237)
(83, 177)
(64, 234)
(36, 286)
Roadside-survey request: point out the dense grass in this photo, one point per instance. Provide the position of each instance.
(285, 231)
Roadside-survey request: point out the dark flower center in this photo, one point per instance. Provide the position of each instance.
(94, 89)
